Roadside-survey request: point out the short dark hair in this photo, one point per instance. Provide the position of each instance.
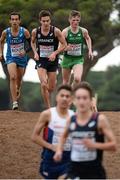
(15, 13)
(44, 13)
(64, 87)
(86, 86)
(74, 13)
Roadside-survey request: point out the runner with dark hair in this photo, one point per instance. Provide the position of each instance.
(45, 40)
(53, 122)
(16, 57)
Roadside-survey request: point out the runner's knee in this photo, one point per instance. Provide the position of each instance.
(65, 81)
(51, 88)
(77, 79)
(43, 85)
(13, 77)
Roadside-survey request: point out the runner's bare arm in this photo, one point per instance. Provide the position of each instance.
(33, 44)
(59, 150)
(27, 36)
(104, 127)
(62, 41)
(94, 104)
(65, 33)
(61, 47)
(2, 41)
(37, 136)
(88, 41)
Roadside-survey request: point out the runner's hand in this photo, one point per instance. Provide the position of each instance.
(69, 48)
(52, 57)
(54, 148)
(22, 54)
(1, 57)
(94, 104)
(58, 156)
(90, 55)
(36, 57)
(90, 144)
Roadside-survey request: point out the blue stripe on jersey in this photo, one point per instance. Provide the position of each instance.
(48, 134)
(48, 154)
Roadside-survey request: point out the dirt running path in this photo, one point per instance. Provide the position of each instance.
(19, 157)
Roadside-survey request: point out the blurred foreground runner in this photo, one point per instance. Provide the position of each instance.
(88, 131)
(52, 122)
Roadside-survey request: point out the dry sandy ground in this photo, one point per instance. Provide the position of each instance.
(19, 157)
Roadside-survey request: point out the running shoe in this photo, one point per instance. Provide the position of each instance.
(15, 105)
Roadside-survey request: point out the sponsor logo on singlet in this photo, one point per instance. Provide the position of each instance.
(17, 49)
(46, 51)
(75, 49)
(58, 129)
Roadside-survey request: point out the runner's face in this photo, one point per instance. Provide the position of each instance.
(45, 21)
(82, 100)
(14, 21)
(64, 98)
(74, 21)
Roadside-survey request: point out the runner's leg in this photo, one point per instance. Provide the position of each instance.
(66, 75)
(42, 73)
(12, 70)
(52, 84)
(20, 74)
(77, 71)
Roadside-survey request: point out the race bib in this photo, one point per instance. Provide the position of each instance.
(17, 49)
(75, 50)
(46, 51)
(67, 145)
(80, 153)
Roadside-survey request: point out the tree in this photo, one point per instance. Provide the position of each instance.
(95, 17)
(109, 96)
(107, 86)
(4, 95)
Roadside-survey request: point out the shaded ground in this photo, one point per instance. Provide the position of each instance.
(19, 157)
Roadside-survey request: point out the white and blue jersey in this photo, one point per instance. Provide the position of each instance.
(16, 47)
(52, 135)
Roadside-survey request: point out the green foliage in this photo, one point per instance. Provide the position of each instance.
(95, 16)
(110, 99)
(96, 79)
(4, 95)
(107, 86)
(31, 100)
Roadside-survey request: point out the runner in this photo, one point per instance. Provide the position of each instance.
(87, 130)
(44, 43)
(53, 122)
(16, 58)
(74, 57)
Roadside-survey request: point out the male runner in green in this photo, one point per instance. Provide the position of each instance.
(73, 57)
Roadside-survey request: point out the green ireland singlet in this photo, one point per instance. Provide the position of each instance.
(74, 56)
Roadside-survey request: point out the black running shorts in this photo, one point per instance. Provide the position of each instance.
(50, 66)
